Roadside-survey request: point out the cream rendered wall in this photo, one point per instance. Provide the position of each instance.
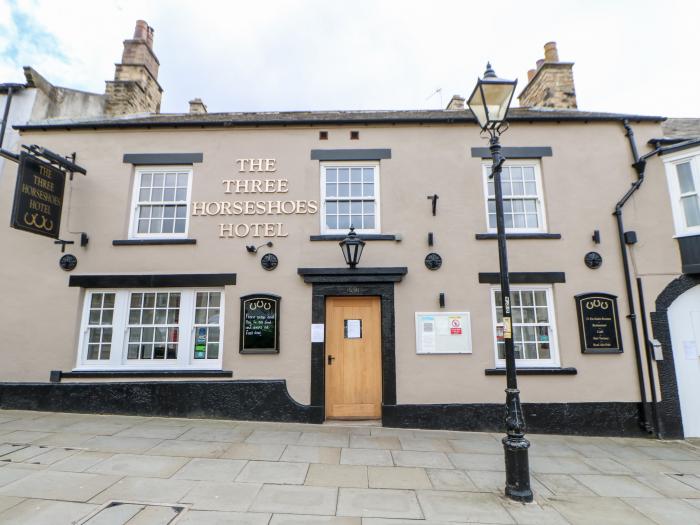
(588, 172)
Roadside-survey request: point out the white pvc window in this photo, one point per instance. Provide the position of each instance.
(151, 329)
(161, 202)
(350, 197)
(523, 206)
(683, 176)
(534, 328)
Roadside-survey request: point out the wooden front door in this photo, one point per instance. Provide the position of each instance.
(353, 358)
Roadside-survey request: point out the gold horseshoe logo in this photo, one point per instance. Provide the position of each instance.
(44, 224)
(603, 304)
(260, 303)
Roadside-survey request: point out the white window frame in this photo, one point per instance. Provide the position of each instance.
(670, 163)
(133, 219)
(118, 361)
(541, 212)
(377, 208)
(554, 361)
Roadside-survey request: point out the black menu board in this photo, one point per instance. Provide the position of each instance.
(598, 323)
(259, 324)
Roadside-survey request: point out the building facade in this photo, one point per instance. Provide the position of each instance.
(213, 284)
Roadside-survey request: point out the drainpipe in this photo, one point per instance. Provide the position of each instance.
(639, 166)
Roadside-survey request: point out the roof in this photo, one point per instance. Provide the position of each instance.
(177, 120)
(680, 146)
(681, 128)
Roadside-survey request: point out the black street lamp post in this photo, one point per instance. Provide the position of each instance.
(489, 102)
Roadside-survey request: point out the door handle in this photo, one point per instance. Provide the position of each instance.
(330, 359)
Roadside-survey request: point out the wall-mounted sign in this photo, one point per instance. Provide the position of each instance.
(68, 262)
(38, 197)
(259, 324)
(598, 323)
(443, 333)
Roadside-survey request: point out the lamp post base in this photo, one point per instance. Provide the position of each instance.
(517, 468)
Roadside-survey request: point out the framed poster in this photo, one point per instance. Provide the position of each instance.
(443, 333)
(598, 323)
(260, 324)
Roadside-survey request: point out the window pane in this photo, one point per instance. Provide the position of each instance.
(692, 211)
(369, 222)
(529, 173)
(343, 222)
(169, 194)
(158, 180)
(530, 351)
(179, 226)
(355, 174)
(356, 190)
(332, 222)
(685, 177)
(368, 190)
(331, 190)
(331, 208)
(146, 180)
(368, 175)
(331, 174)
(343, 175)
(542, 315)
(343, 190)
(182, 180)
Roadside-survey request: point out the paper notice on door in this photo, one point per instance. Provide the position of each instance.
(317, 333)
(690, 349)
(353, 328)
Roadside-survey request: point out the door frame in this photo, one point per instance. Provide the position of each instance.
(671, 421)
(378, 282)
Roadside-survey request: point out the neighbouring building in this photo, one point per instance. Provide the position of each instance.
(213, 285)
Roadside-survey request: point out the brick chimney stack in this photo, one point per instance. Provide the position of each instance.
(135, 87)
(551, 85)
(197, 106)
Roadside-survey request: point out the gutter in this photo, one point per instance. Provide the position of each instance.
(639, 166)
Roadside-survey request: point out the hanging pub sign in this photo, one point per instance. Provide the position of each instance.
(598, 324)
(259, 324)
(38, 197)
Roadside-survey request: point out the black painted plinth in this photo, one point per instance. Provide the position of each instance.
(584, 419)
(517, 468)
(254, 400)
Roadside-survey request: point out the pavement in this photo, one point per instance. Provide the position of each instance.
(59, 468)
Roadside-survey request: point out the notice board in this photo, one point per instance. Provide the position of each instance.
(443, 333)
(260, 324)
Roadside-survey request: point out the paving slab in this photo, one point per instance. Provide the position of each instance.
(534, 514)
(389, 521)
(227, 496)
(64, 439)
(138, 465)
(189, 449)
(114, 514)
(494, 462)
(254, 452)
(310, 454)
(69, 486)
(327, 439)
(563, 485)
(337, 476)
(688, 479)
(23, 436)
(203, 517)
(43, 512)
(666, 511)
(670, 452)
(412, 458)
(154, 431)
(291, 519)
(154, 515)
(378, 503)
(52, 455)
(559, 465)
(293, 499)
(670, 486)
(682, 467)
(599, 511)
(617, 486)
(81, 461)
(203, 469)
(120, 445)
(146, 490)
(282, 473)
(463, 506)
(450, 480)
(607, 466)
(386, 442)
(280, 437)
(398, 478)
(473, 446)
(366, 456)
(226, 435)
(426, 444)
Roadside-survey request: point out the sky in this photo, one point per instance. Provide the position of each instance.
(631, 56)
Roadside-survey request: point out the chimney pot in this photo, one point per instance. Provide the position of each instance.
(550, 52)
(457, 102)
(197, 106)
(531, 74)
(141, 30)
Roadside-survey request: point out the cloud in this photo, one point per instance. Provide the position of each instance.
(363, 54)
